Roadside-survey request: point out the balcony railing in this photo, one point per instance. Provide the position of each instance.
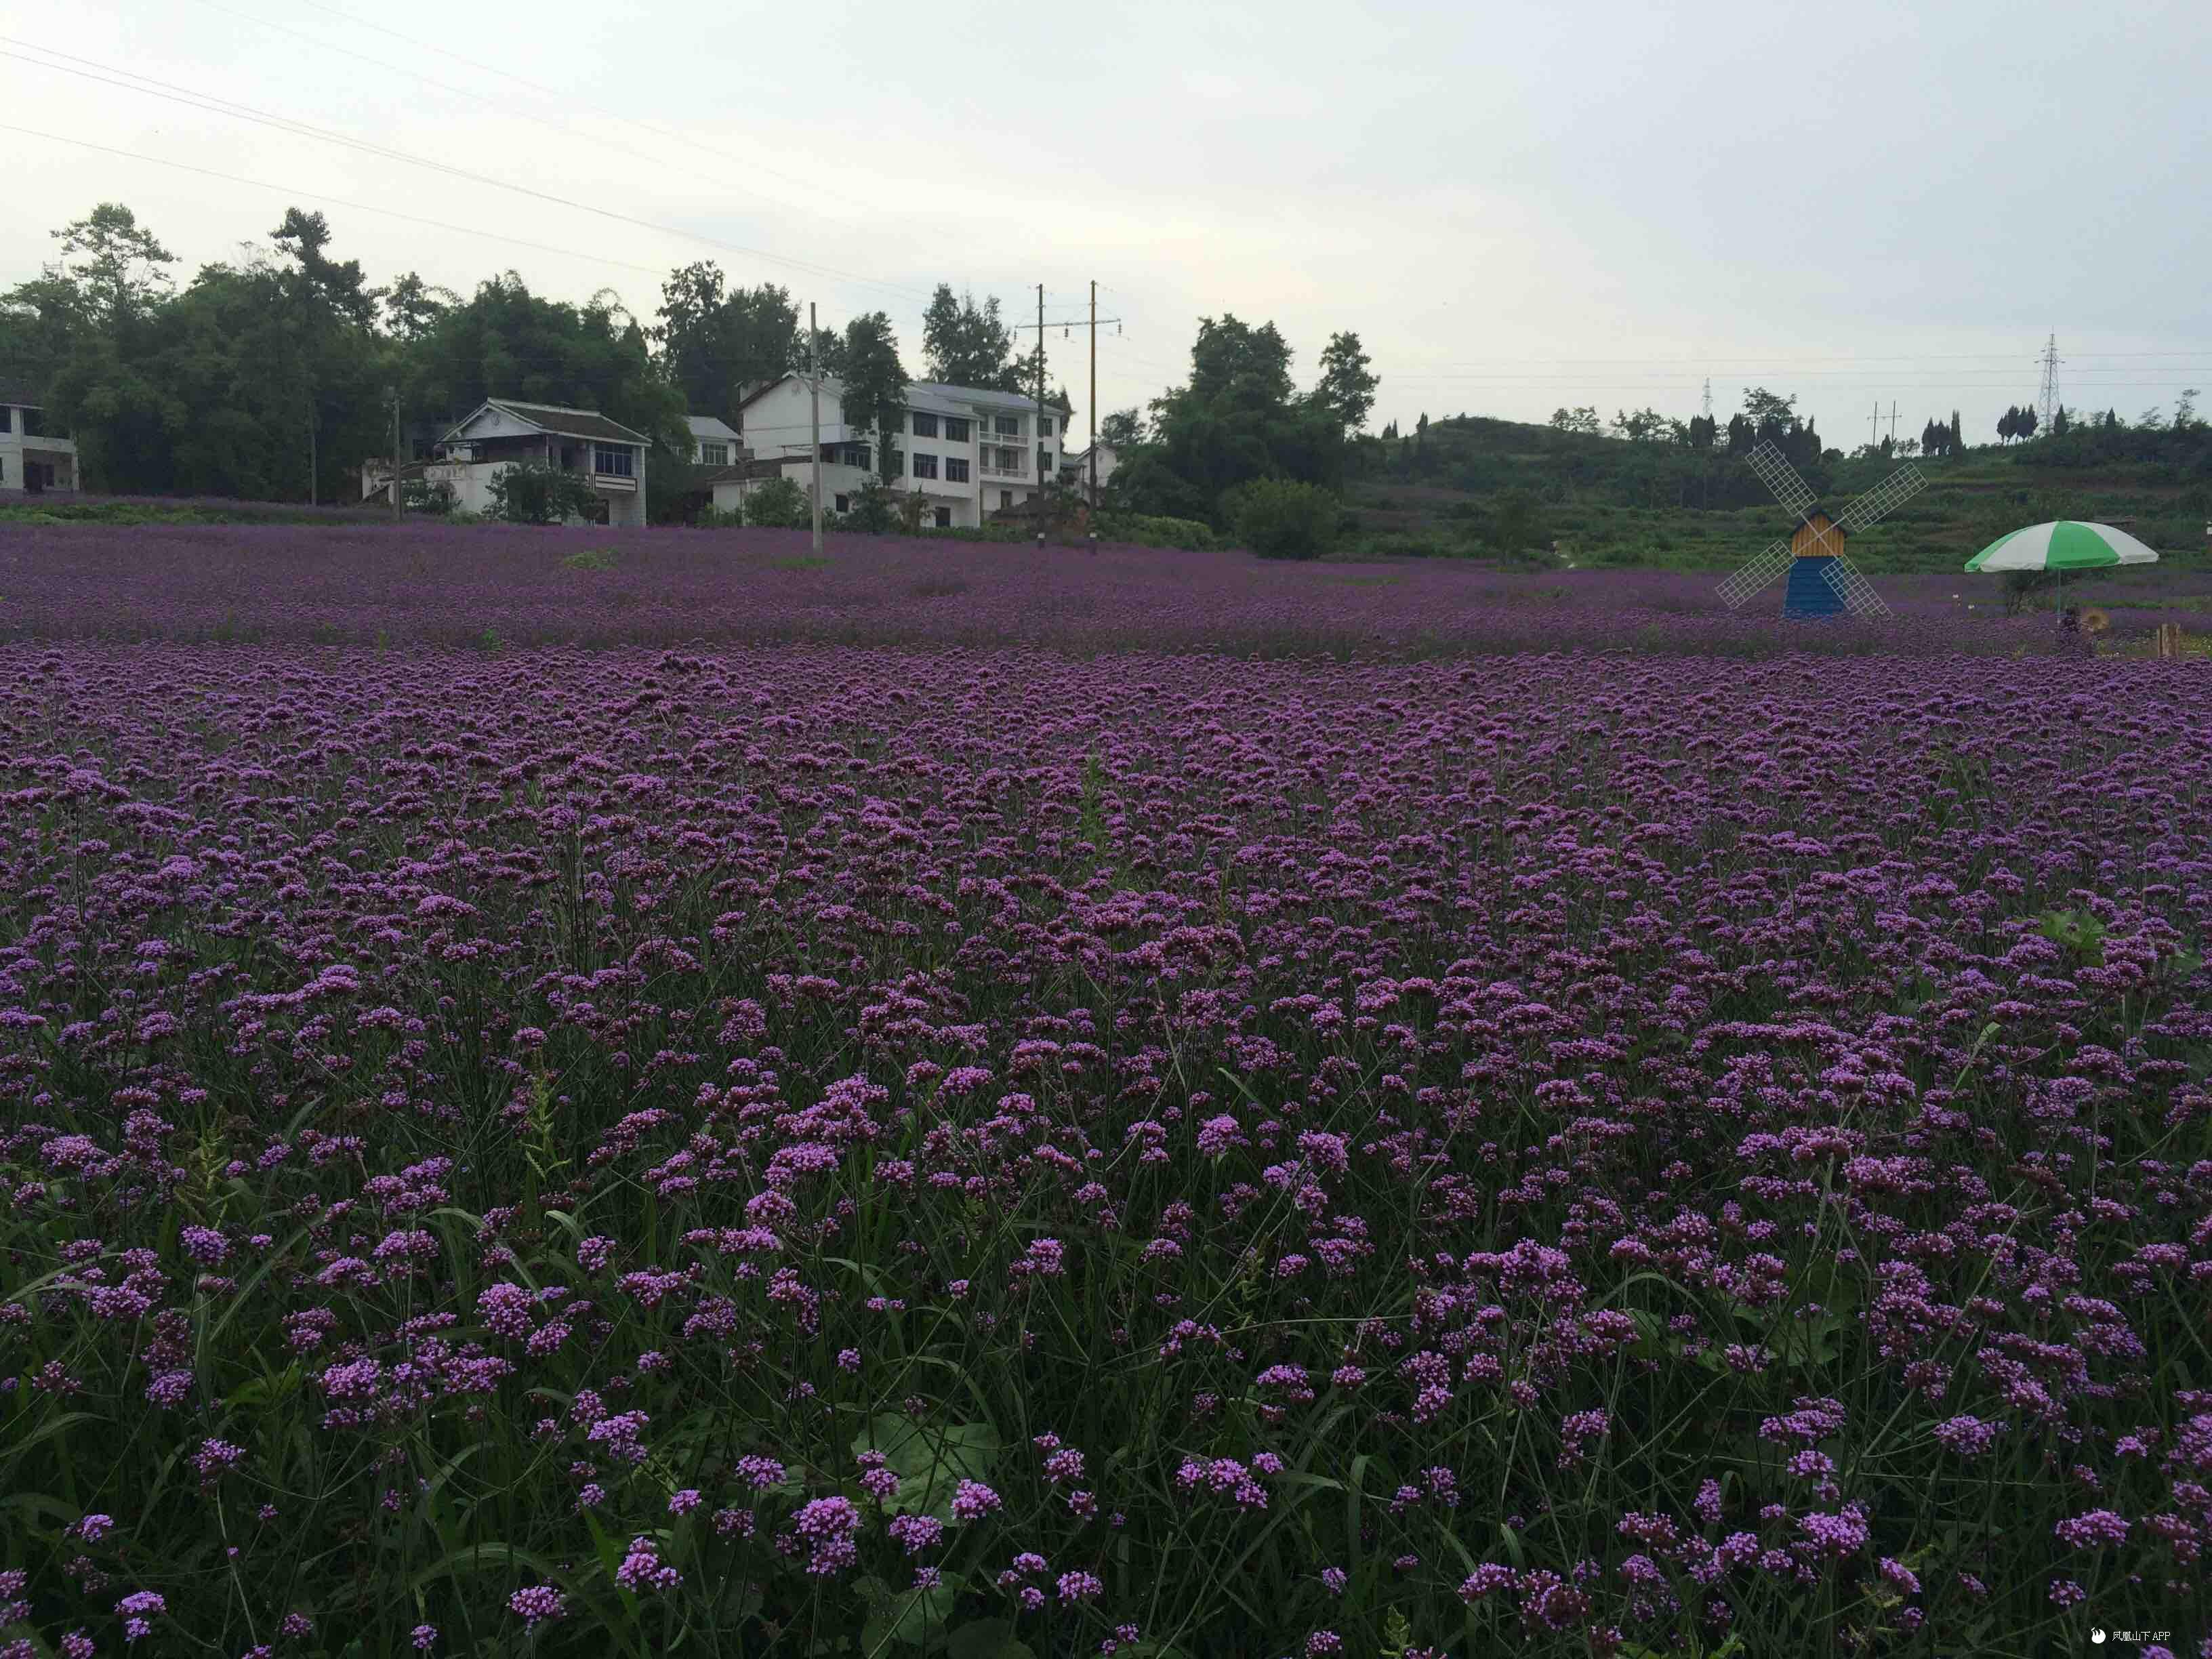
(992, 470)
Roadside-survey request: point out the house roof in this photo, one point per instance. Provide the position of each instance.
(710, 426)
(930, 397)
(20, 394)
(561, 421)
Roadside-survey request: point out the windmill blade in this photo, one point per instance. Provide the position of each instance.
(1885, 498)
(1853, 589)
(1755, 576)
(1777, 475)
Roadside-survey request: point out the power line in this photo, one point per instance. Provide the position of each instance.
(155, 89)
(659, 160)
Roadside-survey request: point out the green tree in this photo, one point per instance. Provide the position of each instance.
(1238, 419)
(1346, 389)
(964, 344)
(1762, 407)
(714, 340)
(1282, 518)
(412, 307)
(1585, 420)
(114, 262)
(826, 355)
(2185, 409)
(779, 503)
(1123, 429)
(875, 383)
(506, 342)
(530, 492)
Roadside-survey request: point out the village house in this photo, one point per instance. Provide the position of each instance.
(968, 452)
(32, 456)
(503, 432)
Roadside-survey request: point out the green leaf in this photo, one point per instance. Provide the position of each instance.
(930, 1462)
(482, 1558)
(986, 1638)
(912, 1617)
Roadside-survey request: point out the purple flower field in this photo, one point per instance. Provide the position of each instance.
(1145, 1106)
(378, 583)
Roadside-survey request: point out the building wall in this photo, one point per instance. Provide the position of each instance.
(59, 453)
(471, 483)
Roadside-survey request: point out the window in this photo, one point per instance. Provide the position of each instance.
(1007, 426)
(567, 458)
(614, 460)
(1006, 498)
(854, 455)
(956, 430)
(898, 462)
(714, 454)
(7, 419)
(34, 423)
(842, 504)
(955, 469)
(944, 518)
(925, 426)
(1044, 425)
(1009, 460)
(925, 466)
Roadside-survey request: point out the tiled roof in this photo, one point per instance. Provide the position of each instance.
(564, 422)
(710, 426)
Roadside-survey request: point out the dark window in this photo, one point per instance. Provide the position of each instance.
(615, 460)
(34, 423)
(1044, 425)
(567, 458)
(925, 466)
(7, 419)
(956, 430)
(898, 462)
(716, 454)
(1006, 498)
(944, 518)
(857, 455)
(1007, 426)
(925, 426)
(840, 505)
(955, 469)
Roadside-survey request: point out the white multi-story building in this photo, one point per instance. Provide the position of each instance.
(31, 457)
(714, 442)
(969, 453)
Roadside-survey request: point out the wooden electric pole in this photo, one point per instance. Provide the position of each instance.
(1036, 438)
(395, 452)
(814, 381)
(1092, 520)
(1063, 324)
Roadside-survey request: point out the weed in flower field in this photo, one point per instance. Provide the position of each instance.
(802, 1149)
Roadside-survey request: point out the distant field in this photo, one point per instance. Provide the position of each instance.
(494, 587)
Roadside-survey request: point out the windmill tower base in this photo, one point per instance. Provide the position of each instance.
(1809, 597)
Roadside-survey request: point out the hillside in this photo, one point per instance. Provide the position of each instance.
(1607, 503)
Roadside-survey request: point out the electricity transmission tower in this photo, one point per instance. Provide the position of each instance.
(2049, 396)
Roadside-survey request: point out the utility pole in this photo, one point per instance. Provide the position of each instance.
(1036, 438)
(1709, 397)
(395, 452)
(814, 385)
(1892, 420)
(1093, 518)
(1066, 322)
(1874, 426)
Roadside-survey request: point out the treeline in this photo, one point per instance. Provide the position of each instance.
(274, 375)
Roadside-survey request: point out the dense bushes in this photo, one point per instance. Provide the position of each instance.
(1278, 519)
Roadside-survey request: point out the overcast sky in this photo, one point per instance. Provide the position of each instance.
(1516, 207)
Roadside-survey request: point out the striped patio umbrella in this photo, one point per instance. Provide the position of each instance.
(2062, 546)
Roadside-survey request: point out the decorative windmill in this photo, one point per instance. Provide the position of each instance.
(1822, 579)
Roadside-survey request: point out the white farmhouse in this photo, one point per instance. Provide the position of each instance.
(968, 452)
(1075, 468)
(31, 457)
(502, 432)
(714, 441)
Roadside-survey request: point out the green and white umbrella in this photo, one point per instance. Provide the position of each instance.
(2062, 546)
